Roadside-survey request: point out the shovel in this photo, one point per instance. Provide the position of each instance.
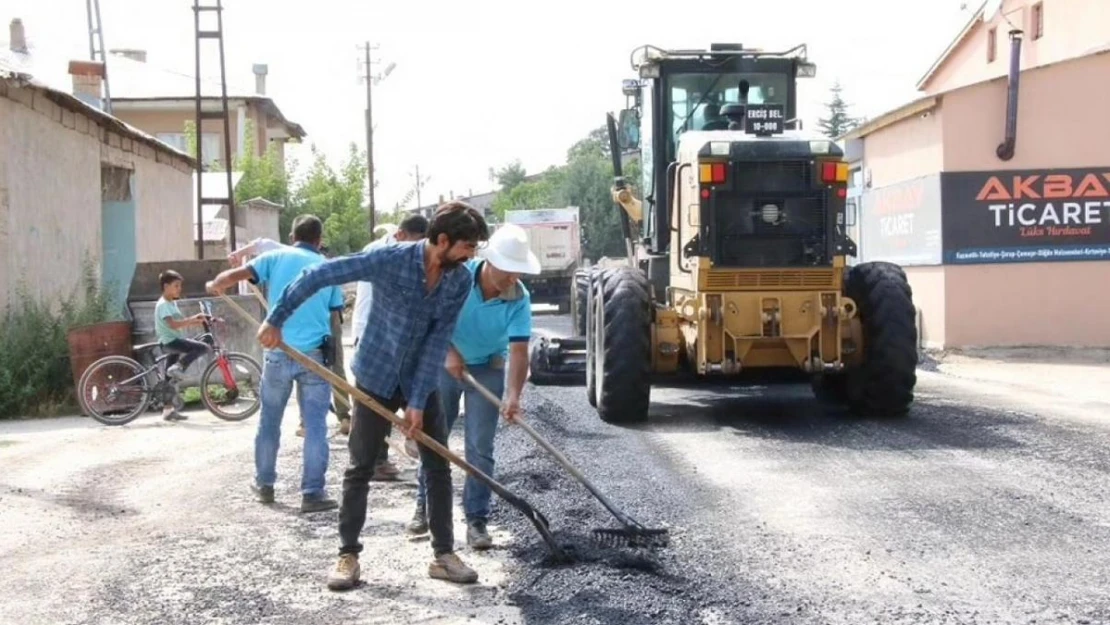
(533, 515)
(633, 533)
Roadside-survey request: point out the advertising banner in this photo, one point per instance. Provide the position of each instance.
(542, 216)
(901, 223)
(1026, 215)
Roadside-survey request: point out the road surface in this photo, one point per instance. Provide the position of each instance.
(989, 504)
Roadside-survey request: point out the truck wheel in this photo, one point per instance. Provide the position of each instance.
(883, 386)
(581, 288)
(589, 305)
(622, 337)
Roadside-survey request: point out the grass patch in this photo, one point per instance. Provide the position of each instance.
(35, 376)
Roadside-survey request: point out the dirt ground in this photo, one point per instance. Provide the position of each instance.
(154, 522)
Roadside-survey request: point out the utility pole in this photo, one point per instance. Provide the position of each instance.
(371, 78)
(370, 133)
(418, 184)
(96, 46)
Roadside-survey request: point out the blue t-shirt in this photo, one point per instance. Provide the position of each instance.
(308, 325)
(487, 327)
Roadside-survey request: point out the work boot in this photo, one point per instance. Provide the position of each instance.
(477, 536)
(385, 471)
(318, 503)
(448, 566)
(345, 574)
(419, 523)
(265, 494)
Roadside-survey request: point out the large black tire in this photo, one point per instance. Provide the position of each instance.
(883, 386)
(595, 277)
(622, 346)
(581, 287)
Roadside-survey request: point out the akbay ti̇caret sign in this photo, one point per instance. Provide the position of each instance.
(1026, 215)
(900, 223)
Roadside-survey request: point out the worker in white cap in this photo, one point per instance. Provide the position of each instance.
(494, 326)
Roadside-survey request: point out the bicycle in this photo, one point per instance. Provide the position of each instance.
(126, 377)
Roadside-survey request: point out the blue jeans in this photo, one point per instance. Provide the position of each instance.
(481, 427)
(279, 372)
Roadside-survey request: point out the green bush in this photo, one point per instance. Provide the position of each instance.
(35, 377)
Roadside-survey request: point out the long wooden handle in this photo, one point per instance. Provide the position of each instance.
(563, 460)
(367, 401)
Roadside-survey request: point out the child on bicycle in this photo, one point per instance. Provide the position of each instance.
(169, 323)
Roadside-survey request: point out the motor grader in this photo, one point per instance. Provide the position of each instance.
(736, 255)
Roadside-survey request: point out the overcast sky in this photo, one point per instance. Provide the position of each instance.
(480, 82)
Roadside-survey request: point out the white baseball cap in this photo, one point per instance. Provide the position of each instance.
(508, 250)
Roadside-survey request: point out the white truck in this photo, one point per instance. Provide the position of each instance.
(555, 238)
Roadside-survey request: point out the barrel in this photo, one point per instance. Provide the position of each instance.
(90, 343)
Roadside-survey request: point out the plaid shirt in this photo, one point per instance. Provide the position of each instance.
(405, 346)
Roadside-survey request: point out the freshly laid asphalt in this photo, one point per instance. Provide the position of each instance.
(976, 508)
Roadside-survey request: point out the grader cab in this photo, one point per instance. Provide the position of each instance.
(737, 251)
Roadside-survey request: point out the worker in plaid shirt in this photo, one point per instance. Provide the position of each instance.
(419, 290)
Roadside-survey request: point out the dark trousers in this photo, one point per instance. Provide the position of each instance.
(188, 349)
(365, 443)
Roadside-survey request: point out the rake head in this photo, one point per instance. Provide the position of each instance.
(631, 536)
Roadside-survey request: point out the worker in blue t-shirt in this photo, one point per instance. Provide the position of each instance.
(495, 325)
(309, 331)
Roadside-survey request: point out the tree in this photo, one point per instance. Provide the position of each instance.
(337, 198)
(584, 181)
(509, 176)
(838, 121)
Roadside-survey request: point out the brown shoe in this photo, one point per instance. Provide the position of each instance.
(345, 574)
(385, 471)
(449, 567)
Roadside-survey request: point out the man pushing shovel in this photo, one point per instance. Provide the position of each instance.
(419, 289)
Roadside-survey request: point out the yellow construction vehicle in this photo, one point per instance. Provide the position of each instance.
(737, 252)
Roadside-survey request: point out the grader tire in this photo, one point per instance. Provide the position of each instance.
(594, 278)
(581, 288)
(883, 385)
(623, 346)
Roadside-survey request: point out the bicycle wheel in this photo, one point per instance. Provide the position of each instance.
(232, 402)
(114, 390)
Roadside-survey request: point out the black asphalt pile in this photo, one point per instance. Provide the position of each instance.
(605, 582)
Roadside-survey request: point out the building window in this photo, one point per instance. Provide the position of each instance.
(209, 144)
(992, 44)
(1038, 20)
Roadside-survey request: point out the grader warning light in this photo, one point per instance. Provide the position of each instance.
(711, 173)
(737, 255)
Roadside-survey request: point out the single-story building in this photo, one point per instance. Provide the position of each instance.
(76, 184)
(993, 188)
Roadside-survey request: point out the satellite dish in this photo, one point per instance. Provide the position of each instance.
(991, 9)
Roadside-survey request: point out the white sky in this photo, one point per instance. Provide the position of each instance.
(481, 82)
